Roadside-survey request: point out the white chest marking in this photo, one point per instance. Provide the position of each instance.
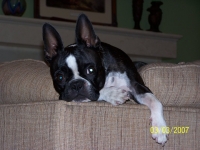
(72, 64)
(117, 79)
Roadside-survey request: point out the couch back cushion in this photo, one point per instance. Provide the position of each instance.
(174, 84)
(24, 81)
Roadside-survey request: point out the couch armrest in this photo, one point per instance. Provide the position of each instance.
(94, 125)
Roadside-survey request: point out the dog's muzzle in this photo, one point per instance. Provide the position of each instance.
(76, 85)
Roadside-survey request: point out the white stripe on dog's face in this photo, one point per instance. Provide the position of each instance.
(72, 64)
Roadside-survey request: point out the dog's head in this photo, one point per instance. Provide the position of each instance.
(76, 70)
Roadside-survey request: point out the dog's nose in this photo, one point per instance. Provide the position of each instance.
(76, 85)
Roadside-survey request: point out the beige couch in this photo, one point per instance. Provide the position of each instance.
(32, 117)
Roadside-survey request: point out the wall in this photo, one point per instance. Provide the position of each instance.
(179, 17)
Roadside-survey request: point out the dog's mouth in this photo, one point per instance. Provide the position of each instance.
(74, 98)
(81, 98)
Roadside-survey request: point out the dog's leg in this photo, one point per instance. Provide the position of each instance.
(119, 91)
(116, 96)
(144, 96)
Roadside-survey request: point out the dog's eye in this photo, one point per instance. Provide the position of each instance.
(59, 77)
(90, 70)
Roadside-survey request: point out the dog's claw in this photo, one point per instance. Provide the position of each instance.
(150, 121)
(167, 136)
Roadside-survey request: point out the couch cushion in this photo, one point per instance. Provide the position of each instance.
(174, 84)
(25, 80)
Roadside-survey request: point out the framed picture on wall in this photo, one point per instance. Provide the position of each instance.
(101, 12)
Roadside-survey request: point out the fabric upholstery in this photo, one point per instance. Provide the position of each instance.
(32, 117)
(25, 80)
(60, 125)
(174, 84)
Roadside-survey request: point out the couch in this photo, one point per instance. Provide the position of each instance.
(32, 117)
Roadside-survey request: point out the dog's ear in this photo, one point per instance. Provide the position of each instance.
(52, 41)
(85, 33)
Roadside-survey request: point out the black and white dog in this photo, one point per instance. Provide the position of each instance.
(91, 70)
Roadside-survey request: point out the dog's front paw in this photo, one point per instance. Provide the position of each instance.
(114, 95)
(158, 129)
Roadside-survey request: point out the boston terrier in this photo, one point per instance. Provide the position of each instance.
(91, 70)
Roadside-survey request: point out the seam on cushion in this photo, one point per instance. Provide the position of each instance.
(103, 104)
(79, 104)
(151, 67)
(33, 103)
(129, 105)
